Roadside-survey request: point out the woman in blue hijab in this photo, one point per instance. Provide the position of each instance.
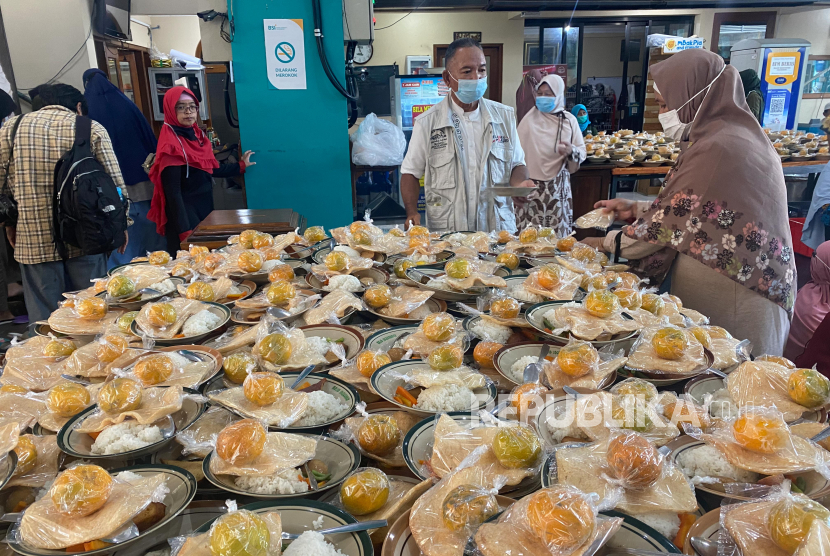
(132, 139)
(585, 125)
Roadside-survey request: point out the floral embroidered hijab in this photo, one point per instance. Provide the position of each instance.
(724, 203)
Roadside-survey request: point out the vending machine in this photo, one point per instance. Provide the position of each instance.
(780, 64)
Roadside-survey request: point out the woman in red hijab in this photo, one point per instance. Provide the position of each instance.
(183, 169)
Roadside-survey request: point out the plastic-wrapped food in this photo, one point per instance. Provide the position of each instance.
(759, 440)
(597, 218)
(475, 273)
(667, 350)
(67, 321)
(627, 472)
(379, 435)
(281, 272)
(403, 301)
(636, 387)
(241, 442)
(97, 359)
(364, 491)
(282, 413)
(777, 524)
(778, 360)
(333, 307)
(279, 348)
(536, 246)
(280, 452)
(446, 357)
(156, 403)
(444, 517)
(574, 317)
(684, 411)
(200, 438)
(166, 318)
(484, 353)
(430, 378)
(438, 327)
(510, 260)
(59, 347)
(120, 395)
(67, 398)
(369, 361)
(765, 384)
(524, 394)
(578, 358)
(20, 411)
(41, 455)
(600, 413)
(339, 262)
(455, 442)
(237, 534)
(52, 523)
(54, 422)
(314, 234)
(263, 389)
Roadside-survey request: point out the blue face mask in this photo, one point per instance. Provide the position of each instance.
(546, 104)
(582, 119)
(470, 90)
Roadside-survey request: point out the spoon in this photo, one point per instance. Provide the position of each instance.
(821, 436)
(499, 407)
(350, 528)
(571, 392)
(312, 480)
(706, 547)
(532, 371)
(278, 313)
(127, 532)
(301, 377)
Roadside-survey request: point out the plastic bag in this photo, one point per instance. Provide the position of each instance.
(166, 318)
(279, 348)
(336, 304)
(155, 404)
(444, 517)
(241, 451)
(200, 438)
(574, 317)
(791, 391)
(20, 411)
(598, 218)
(378, 436)
(40, 454)
(558, 521)
(377, 143)
(580, 365)
(259, 532)
(514, 451)
(43, 526)
(759, 440)
(282, 413)
(404, 301)
(598, 414)
(667, 350)
(168, 369)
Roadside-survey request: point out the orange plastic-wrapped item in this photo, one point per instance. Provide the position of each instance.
(200, 291)
(240, 533)
(275, 348)
(249, 261)
(578, 358)
(111, 347)
(59, 347)
(561, 517)
(246, 239)
(314, 234)
(377, 296)
(379, 434)
(510, 260)
(158, 258)
(467, 506)
(281, 272)
(446, 357)
(634, 461)
(484, 353)
(120, 395)
(517, 447)
(154, 369)
(67, 399)
(458, 268)
(91, 308)
(239, 365)
(241, 442)
(280, 291)
(81, 490)
(263, 388)
(364, 491)
(369, 361)
(438, 327)
(602, 303)
(760, 431)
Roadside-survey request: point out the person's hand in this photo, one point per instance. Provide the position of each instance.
(123, 248)
(527, 183)
(246, 158)
(623, 209)
(564, 148)
(595, 242)
(11, 234)
(413, 219)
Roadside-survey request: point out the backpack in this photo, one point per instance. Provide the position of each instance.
(87, 210)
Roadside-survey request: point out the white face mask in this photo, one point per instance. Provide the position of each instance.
(672, 126)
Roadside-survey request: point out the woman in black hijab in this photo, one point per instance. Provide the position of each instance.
(752, 91)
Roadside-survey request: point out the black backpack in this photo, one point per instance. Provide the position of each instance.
(87, 210)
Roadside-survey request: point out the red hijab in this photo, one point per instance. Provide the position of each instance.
(176, 150)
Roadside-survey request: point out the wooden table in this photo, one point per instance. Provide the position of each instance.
(219, 225)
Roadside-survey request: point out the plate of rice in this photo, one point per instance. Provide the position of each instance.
(708, 471)
(353, 283)
(165, 287)
(387, 338)
(436, 261)
(304, 517)
(510, 361)
(253, 316)
(486, 330)
(328, 403)
(441, 290)
(437, 399)
(115, 270)
(128, 439)
(339, 458)
(323, 336)
(415, 317)
(419, 441)
(212, 318)
(260, 278)
(319, 255)
(536, 317)
(550, 422)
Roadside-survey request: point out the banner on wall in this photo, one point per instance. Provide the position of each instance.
(781, 73)
(680, 44)
(285, 53)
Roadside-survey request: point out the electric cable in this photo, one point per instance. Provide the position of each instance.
(415, 9)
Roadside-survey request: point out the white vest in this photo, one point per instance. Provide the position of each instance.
(444, 191)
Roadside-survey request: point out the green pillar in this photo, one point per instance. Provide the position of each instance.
(299, 135)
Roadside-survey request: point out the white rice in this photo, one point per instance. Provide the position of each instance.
(519, 292)
(201, 323)
(165, 286)
(125, 437)
(666, 523)
(491, 331)
(179, 361)
(517, 369)
(319, 344)
(420, 258)
(317, 523)
(456, 238)
(550, 316)
(348, 250)
(722, 405)
(311, 543)
(701, 464)
(285, 481)
(345, 282)
(235, 290)
(322, 408)
(449, 397)
(568, 426)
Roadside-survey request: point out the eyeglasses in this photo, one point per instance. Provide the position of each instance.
(187, 108)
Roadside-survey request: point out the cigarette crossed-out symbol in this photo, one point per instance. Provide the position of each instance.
(285, 52)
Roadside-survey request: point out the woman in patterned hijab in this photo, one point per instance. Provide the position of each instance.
(720, 224)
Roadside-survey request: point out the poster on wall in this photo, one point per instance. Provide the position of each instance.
(417, 95)
(285, 53)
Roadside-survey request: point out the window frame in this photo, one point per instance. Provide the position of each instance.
(741, 18)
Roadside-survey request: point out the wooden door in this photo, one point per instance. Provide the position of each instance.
(493, 55)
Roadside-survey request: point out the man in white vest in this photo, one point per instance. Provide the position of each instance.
(463, 147)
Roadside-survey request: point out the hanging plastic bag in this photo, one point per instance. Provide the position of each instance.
(378, 143)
